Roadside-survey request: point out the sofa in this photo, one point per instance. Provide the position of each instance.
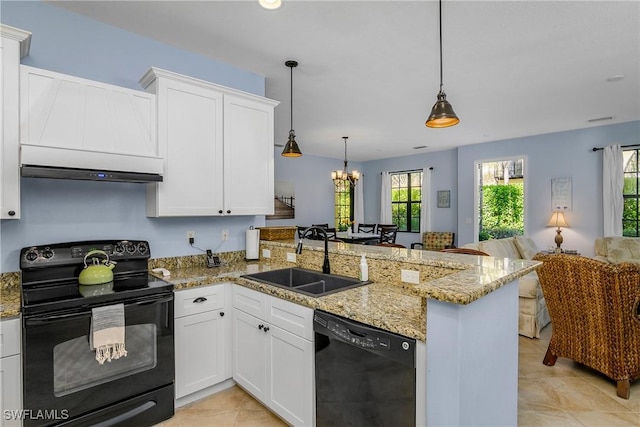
(533, 313)
(614, 250)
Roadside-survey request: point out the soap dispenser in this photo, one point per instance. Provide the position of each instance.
(364, 269)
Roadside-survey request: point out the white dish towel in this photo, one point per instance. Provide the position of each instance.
(107, 332)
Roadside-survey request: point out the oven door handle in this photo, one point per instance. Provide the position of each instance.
(87, 312)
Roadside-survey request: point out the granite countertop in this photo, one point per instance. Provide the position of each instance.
(388, 304)
(9, 295)
(388, 307)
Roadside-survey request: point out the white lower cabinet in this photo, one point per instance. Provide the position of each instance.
(201, 338)
(273, 364)
(10, 378)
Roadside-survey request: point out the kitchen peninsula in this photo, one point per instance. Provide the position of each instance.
(464, 307)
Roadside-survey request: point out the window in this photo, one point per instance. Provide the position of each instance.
(343, 205)
(500, 199)
(406, 200)
(631, 193)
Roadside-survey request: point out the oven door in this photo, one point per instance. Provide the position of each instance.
(62, 380)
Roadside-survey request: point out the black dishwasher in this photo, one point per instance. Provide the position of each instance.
(365, 376)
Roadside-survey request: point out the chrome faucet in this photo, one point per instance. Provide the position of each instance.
(326, 268)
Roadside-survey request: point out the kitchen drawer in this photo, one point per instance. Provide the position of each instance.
(250, 301)
(291, 317)
(199, 300)
(10, 337)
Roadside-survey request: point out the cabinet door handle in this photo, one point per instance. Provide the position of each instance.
(228, 211)
(12, 213)
(222, 314)
(266, 328)
(199, 300)
(220, 211)
(260, 326)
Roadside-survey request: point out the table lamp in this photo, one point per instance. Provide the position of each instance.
(557, 220)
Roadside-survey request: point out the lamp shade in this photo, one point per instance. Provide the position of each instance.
(442, 114)
(557, 220)
(291, 148)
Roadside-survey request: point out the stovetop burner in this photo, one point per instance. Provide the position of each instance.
(50, 275)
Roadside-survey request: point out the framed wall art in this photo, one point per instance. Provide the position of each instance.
(444, 198)
(561, 194)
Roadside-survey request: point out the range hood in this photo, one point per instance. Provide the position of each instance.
(61, 163)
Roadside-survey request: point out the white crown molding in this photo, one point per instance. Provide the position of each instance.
(21, 36)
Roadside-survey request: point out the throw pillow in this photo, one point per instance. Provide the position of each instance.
(526, 247)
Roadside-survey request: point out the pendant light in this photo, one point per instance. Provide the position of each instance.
(442, 114)
(341, 177)
(291, 149)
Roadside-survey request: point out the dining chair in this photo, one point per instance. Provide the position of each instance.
(331, 233)
(387, 233)
(325, 225)
(367, 228)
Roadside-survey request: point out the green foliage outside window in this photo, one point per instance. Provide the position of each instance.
(502, 210)
(406, 200)
(631, 194)
(343, 203)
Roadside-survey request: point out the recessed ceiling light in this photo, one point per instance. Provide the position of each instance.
(270, 4)
(600, 119)
(419, 147)
(615, 78)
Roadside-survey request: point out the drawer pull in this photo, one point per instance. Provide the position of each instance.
(199, 300)
(266, 328)
(222, 314)
(260, 326)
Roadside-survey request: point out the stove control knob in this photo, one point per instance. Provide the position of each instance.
(31, 256)
(119, 249)
(48, 253)
(142, 248)
(131, 248)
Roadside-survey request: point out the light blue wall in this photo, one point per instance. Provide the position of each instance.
(443, 177)
(555, 155)
(314, 191)
(69, 43)
(56, 210)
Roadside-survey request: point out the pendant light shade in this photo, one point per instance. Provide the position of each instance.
(291, 148)
(442, 114)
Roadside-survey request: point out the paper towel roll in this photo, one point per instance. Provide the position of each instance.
(252, 244)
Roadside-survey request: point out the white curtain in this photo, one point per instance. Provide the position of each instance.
(385, 199)
(425, 212)
(358, 203)
(612, 180)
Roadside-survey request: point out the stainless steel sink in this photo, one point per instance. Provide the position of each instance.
(305, 281)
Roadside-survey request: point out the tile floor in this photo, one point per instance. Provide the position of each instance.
(566, 394)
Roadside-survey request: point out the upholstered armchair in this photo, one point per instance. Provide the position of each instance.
(435, 240)
(595, 313)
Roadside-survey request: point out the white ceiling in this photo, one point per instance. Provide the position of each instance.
(370, 69)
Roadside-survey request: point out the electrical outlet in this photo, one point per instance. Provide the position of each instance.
(225, 234)
(191, 237)
(291, 257)
(266, 253)
(410, 276)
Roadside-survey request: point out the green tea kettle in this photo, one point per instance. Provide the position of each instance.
(98, 272)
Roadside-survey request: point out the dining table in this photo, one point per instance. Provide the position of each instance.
(357, 237)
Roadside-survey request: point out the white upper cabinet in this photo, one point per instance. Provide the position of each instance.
(217, 145)
(248, 156)
(69, 112)
(14, 45)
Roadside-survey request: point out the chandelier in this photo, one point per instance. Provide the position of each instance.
(342, 177)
